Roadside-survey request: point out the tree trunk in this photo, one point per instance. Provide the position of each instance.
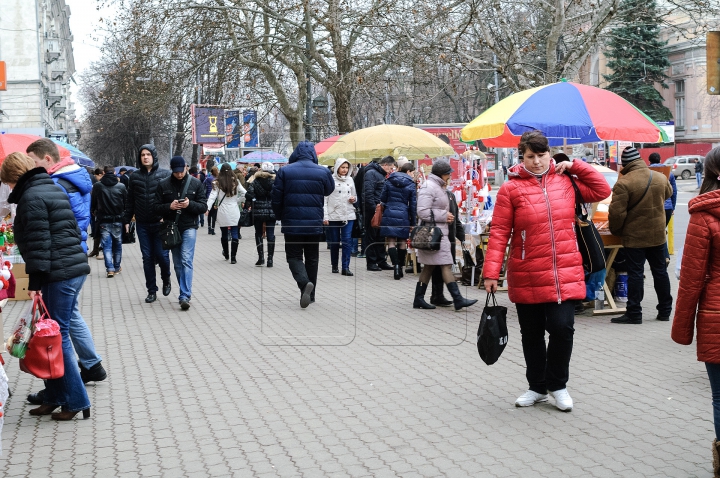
(343, 110)
(194, 157)
(180, 132)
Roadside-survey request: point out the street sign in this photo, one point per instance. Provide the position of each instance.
(3, 76)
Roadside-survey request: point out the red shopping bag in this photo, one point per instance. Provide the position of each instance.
(44, 357)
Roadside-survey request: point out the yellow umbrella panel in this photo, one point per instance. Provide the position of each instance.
(364, 145)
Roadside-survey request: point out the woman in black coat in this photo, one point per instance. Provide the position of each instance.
(399, 196)
(259, 196)
(49, 240)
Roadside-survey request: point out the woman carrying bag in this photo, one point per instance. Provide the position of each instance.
(433, 208)
(698, 299)
(259, 194)
(536, 209)
(399, 196)
(225, 199)
(339, 216)
(49, 241)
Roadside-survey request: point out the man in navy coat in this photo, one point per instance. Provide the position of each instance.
(298, 197)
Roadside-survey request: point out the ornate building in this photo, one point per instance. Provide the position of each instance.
(36, 45)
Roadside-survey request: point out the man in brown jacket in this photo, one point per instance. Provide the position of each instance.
(637, 214)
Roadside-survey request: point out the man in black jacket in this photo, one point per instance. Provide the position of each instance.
(141, 203)
(108, 207)
(373, 183)
(184, 209)
(123, 177)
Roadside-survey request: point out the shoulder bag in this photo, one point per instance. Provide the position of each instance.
(217, 204)
(170, 235)
(589, 240)
(44, 356)
(377, 217)
(425, 237)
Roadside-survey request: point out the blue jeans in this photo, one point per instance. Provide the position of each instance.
(340, 232)
(69, 391)
(152, 253)
(183, 262)
(82, 340)
(713, 371)
(698, 176)
(233, 230)
(111, 237)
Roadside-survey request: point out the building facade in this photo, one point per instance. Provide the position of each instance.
(36, 44)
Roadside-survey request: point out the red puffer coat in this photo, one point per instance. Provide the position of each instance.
(700, 280)
(538, 216)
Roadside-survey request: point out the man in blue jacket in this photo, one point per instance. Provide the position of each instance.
(298, 197)
(76, 183)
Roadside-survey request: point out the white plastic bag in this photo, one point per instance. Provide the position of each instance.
(678, 260)
(3, 400)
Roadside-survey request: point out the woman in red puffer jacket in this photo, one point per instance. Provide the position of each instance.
(698, 294)
(535, 211)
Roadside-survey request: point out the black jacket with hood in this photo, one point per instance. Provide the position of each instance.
(171, 189)
(259, 194)
(108, 200)
(141, 199)
(373, 184)
(46, 231)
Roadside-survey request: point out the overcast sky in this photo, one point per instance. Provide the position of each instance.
(85, 26)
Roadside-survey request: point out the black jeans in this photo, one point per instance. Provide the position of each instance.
(375, 247)
(635, 260)
(212, 217)
(303, 271)
(548, 368)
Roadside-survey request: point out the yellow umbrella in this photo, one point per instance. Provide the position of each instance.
(364, 145)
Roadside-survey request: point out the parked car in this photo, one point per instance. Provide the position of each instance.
(683, 166)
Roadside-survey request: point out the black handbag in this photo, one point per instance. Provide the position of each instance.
(590, 242)
(468, 265)
(246, 219)
(425, 237)
(492, 336)
(170, 236)
(358, 229)
(129, 236)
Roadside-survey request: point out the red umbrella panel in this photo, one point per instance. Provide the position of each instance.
(18, 143)
(323, 145)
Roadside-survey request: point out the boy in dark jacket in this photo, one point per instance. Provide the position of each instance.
(141, 204)
(298, 198)
(172, 205)
(108, 206)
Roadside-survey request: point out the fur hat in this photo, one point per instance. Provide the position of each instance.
(268, 167)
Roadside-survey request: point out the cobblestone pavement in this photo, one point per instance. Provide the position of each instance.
(359, 384)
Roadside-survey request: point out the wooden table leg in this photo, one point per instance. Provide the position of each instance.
(613, 309)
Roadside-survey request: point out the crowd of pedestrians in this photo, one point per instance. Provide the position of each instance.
(57, 204)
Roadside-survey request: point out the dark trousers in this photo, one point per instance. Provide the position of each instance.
(212, 217)
(635, 260)
(548, 368)
(152, 253)
(713, 371)
(303, 254)
(373, 241)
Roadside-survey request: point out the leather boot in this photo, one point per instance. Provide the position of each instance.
(419, 302)
(402, 253)
(260, 251)
(437, 297)
(233, 251)
(96, 247)
(271, 253)
(458, 300)
(225, 249)
(716, 458)
(393, 253)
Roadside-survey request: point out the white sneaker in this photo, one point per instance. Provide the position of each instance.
(530, 398)
(562, 400)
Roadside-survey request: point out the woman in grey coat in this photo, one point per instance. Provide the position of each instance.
(433, 207)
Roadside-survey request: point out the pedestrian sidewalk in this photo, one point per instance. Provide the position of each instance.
(246, 383)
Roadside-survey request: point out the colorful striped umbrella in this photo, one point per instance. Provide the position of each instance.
(80, 158)
(567, 113)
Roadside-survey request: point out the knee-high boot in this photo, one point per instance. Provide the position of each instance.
(458, 300)
(393, 253)
(271, 253)
(224, 243)
(260, 251)
(402, 253)
(233, 251)
(419, 302)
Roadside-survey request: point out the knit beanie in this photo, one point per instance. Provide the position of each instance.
(629, 155)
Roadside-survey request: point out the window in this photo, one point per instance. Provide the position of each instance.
(680, 87)
(680, 112)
